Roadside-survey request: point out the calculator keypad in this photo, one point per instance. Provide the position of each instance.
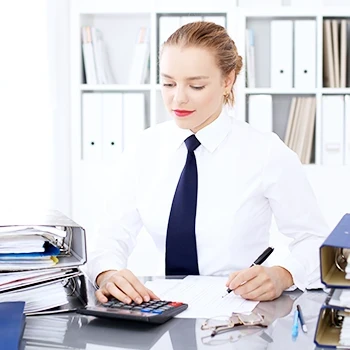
(152, 307)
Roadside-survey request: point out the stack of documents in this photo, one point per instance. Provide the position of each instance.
(334, 319)
(25, 247)
(39, 263)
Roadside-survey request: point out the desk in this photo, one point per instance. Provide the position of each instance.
(72, 331)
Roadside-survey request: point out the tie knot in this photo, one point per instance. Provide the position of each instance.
(192, 143)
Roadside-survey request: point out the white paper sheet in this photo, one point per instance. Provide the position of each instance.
(203, 295)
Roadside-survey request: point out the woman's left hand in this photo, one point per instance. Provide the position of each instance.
(260, 283)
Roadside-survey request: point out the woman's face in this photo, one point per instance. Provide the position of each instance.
(192, 86)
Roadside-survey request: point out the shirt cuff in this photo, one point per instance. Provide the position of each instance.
(97, 266)
(298, 273)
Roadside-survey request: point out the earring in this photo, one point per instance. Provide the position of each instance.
(226, 96)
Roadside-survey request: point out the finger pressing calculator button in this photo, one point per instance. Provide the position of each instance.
(109, 303)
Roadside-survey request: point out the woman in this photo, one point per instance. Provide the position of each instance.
(205, 186)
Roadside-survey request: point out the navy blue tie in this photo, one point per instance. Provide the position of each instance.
(181, 248)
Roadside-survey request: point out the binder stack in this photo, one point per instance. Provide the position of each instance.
(40, 259)
(333, 326)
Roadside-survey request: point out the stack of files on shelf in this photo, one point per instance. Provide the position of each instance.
(333, 326)
(111, 122)
(336, 130)
(293, 68)
(12, 321)
(97, 67)
(301, 127)
(39, 263)
(336, 53)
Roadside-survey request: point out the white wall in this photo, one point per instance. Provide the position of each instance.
(59, 55)
(25, 113)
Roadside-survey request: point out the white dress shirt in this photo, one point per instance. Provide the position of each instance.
(244, 176)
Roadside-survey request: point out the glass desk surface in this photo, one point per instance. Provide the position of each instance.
(73, 331)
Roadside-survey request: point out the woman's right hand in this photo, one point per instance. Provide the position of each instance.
(122, 285)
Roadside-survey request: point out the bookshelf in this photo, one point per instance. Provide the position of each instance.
(259, 21)
(92, 181)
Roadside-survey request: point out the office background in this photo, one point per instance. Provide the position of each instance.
(54, 81)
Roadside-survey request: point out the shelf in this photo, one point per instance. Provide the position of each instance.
(115, 87)
(335, 91)
(295, 11)
(274, 91)
(282, 11)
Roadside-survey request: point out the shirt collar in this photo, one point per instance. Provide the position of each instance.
(210, 136)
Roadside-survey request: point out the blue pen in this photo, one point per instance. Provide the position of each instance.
(295, 329)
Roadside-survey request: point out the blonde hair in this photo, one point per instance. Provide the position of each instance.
(214, 38)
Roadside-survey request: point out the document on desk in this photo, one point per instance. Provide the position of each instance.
(203, 294)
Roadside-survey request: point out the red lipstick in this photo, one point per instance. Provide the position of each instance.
(182, 112)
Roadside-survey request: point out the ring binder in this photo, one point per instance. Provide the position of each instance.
(329, 327)
(334, 254)
(72, 246)
(335, 312)
(46, 287)
(340, 259)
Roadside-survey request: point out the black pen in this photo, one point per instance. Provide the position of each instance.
(301, 319)
(265, 254)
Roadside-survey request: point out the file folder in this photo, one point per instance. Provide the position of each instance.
(335, 41)
(12, 322)
(281, 54)
(92, 126)
(328, 57)
(329, 326)
(347, 130)
(76, 296)
(42, 276)
(332, 260)
(74, 286)
(112, 140)
(333, 130)
(73, 246)
(305, 54)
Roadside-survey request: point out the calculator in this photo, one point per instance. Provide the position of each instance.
(154, 311)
